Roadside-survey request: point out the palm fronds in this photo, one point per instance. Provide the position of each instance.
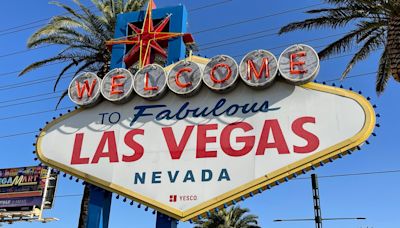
(383, 73)
(235, 217)
(83, 34)
(376, 25)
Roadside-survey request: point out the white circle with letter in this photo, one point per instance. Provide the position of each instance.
(220, 73)
(117, 85)
(84, 89)
(150, 82)
(299, 64)
(258, 68)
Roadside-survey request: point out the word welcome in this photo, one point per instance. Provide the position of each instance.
(298, 64)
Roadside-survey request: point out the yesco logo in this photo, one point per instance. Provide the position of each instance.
(297, 64)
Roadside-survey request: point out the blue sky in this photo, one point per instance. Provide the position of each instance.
(374, 197)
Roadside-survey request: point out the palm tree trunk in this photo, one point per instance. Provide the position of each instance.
(393, 45)
(84, 207)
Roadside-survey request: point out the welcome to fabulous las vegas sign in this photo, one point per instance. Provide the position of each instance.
(204, 133)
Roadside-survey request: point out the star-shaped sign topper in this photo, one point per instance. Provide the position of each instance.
(147, 39)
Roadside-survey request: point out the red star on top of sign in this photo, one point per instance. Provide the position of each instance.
(149, 38)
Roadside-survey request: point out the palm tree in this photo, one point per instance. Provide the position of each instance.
(234, 217)
(376, 27)
(83, 34)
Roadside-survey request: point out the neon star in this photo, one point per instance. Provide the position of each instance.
(148, 39)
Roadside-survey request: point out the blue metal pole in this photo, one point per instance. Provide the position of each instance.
(164, 221)
(99, 208)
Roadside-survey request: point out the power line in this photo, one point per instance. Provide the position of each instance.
(210, 5)
(18, 134)
(29, 84)
(258, 37)
(35, 113)
(241, 36)
(263, 36)
(71, 107)
(353, 76)
(28, 102)
(29, 97)
(195, 9)
(32, 81)
(256, 19)
(18, 71)
(51, 78)
(71, 195)
(18, 85)
(41, 47)
(276, 47)
(13, 86)
(21, 28)
(245, 21)
(24, 51)
(26, 24)
(47, 111)
(207, 45)
(302, 178)
(303, 41)
(353, 174)
(200, 45)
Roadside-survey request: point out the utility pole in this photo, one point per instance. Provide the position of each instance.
(317, 206)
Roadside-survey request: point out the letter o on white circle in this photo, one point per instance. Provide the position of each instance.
(221, 73)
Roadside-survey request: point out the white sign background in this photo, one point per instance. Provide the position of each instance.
(338, 118)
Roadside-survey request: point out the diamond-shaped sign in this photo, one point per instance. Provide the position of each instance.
(186, 156)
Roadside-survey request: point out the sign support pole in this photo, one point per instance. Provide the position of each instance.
(99, 208)
(164, 221)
